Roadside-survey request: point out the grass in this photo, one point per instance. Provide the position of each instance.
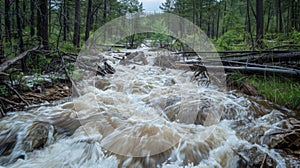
(280, 90)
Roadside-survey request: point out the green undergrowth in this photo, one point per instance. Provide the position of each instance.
(238, 39)
(280, 90)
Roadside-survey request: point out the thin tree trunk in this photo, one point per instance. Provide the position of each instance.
(213, 27)
(32, 9)
(194, 11)
(88, 20)
(249, 23)
(42, 23)
(293, 14)
(23, 16)
(104, 10)
(49, 17)
(19, 26)
(65, 24)
(224, 22)
(200, 14)
(7, 21)
(259, 22)
(20, 38)
(279, 16)
(218, 23)
(269, 17)
(209, 24)
(2, 58)
(76, 37)
(208, 27)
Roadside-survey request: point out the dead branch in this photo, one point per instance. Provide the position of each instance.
(4, 66)
(255, 65)
(4, 74)
(247, 69)
(267, 58)
(9, 101)
(76, 90)
(263, 162)
(17, 93)
(2, 114)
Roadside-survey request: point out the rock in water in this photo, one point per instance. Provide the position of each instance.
(249, 89)
(37, 136)
(102, 84)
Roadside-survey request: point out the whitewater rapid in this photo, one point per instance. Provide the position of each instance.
(141, 116)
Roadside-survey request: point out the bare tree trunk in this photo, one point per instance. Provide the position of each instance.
(88, 20)
(65, 15)
(269, 16)
(104, 10)
(20, 30)
(249, 23)
(7, 21)
(218, 23)
(23, 16)
(259, 22)
(213, 27)
(225, 12)
(76, 37)
(19, 26)
(279, 16)
(2, 58)
(49, 17)
(293, 13)
(42, 22)
(200, 13)
(208, 28)
(194, 11)
(32, 9)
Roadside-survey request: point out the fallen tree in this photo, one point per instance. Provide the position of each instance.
(268, 58)
(4, 66)
(288, 71)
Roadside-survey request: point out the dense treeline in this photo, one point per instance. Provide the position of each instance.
(62, 26)
(55, 23)
(39, 42)
(250, 21)
(66, 24)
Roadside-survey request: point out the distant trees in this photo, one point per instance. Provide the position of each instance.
(26, 23)
(250, 17)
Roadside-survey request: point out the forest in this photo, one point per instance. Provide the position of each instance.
(60, 27)
(150, 99)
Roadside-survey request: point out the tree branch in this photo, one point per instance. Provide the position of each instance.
(4, 66)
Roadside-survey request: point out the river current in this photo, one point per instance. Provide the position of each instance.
(145, 116)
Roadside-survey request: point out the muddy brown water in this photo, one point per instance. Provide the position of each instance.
(149, 116)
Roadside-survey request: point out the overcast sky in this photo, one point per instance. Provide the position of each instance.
(152, 5)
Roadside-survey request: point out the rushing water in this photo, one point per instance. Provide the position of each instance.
(143, 116)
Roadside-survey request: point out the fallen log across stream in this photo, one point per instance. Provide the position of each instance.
(293, 72)
(283, 62)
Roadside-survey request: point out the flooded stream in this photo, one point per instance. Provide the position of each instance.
(147, 116)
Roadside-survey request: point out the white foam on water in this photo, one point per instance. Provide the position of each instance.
(147, 116)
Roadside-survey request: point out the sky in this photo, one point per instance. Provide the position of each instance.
(152, 5)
